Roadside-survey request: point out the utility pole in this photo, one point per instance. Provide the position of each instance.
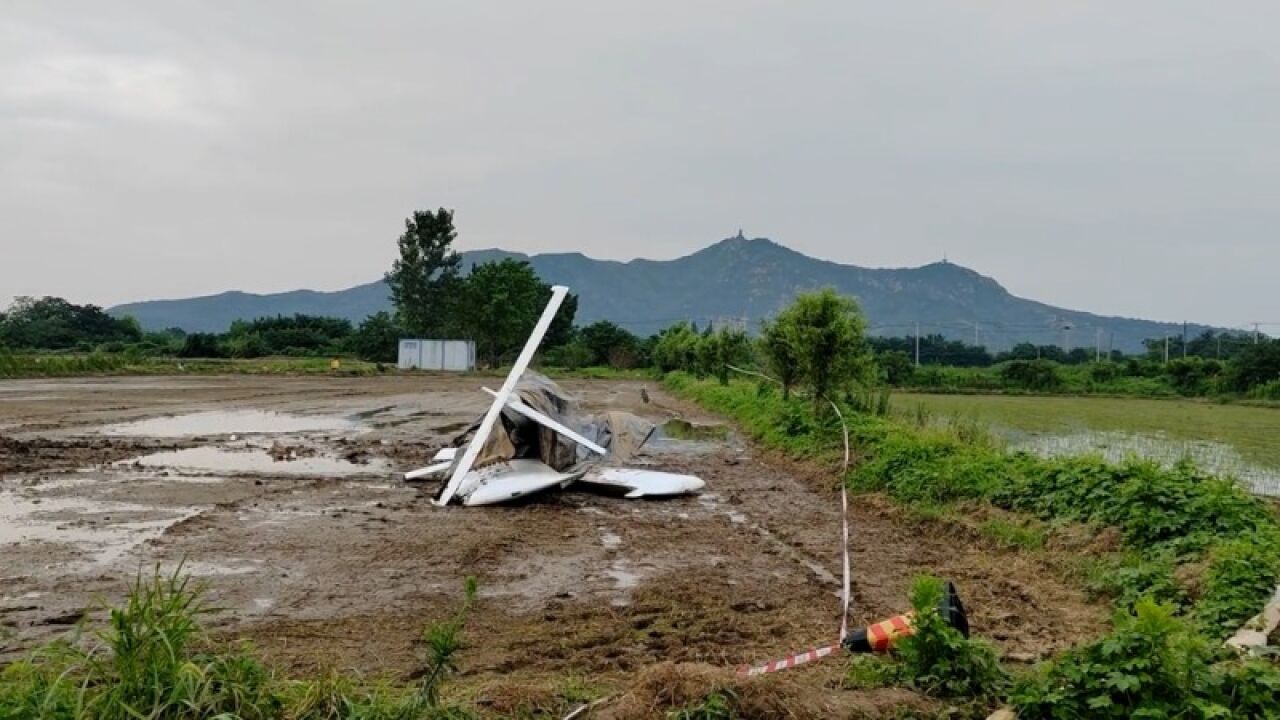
(917, 344)
(975, 334)
(1098, 355)
(1255, 333)
(1184, 339)
(1166, 348)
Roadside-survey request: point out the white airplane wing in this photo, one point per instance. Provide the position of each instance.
(645, 483)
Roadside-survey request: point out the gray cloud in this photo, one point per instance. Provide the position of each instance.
(1116, 157)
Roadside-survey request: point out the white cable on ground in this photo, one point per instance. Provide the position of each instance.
(585, 707)
(844, 504)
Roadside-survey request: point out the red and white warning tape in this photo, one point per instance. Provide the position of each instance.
(845, 591)
(788, 662)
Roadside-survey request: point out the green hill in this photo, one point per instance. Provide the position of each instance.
(737, 279)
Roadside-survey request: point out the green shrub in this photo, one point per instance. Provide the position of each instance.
(444, 640)
(896, 367)
(677, 349)
(1266, 391)
(718, 705)
(937, 659)
(1151, 666)
(571, 356)
(1192, 375)
(1258, 364)
(1038, 375)
(1240, 577)
(1134, 576)
(1104, 372)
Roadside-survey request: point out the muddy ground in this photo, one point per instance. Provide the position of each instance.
(282, 494)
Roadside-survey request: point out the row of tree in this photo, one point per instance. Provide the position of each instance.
(819, 340)
(52, 323)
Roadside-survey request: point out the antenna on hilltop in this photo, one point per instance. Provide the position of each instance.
(740, 236)
(944, 257)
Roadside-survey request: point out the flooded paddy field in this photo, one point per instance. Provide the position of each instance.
(282, 495)
(1231, 440)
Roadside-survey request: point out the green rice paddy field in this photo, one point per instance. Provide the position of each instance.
(1235, 440)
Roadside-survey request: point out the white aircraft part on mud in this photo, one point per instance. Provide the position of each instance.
(457, 481)
(510, 479)
(645, 483)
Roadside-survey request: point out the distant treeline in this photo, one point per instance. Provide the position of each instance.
(497, 304)
(935, 349)
(1248, 366)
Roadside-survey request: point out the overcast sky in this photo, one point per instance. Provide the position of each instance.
(1115, 156)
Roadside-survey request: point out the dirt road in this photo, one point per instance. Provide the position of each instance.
(282, 494)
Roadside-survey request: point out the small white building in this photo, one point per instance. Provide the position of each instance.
(455, 355)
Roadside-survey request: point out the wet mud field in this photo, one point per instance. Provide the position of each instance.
(282, 495)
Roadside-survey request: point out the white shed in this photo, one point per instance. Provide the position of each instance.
(456, 355)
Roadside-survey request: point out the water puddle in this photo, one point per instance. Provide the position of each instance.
(231, 422)
(254, 461)
(677, 429)
(1212, 457)
(681, 437)
(211, 569)
(105, 530)
(622, 579)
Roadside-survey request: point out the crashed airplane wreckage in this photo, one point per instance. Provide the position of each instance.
(525, 444)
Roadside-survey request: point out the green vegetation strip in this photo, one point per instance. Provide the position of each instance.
(153, 661)
(30, 365)
(1164, 657)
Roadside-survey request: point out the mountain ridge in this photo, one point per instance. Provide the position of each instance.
(738, 278)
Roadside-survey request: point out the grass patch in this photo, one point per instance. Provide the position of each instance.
(91, 364)
(153, 660)
(718, 705)
(1021, 534)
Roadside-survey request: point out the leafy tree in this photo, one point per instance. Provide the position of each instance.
(897, 366)
(287, 335)
(561, 331)
(676, 348)
(51, 323)
(722, 348)
(377, 339)
(503, 301)
(780, 356)
(935, 350)
(1029, 351)
(1257, 364)
(610, 345)
(1192, 375)
(201, 345)
(572, 355)
(424, 280)
(825, 335)
(1032, 374)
